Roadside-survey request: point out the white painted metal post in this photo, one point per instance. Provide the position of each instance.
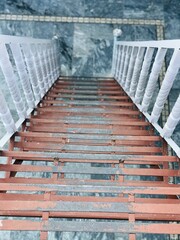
(143, 75)
(126, 63)
(166, 86)
(124, 49)
(116, 34)
(172, 120)
(6, 116)
(42, 49)
(114, 57)
(53, 64)
(45, 59)
(48, 65)
(130, 68)
(151, 85)
(11, 81)
(37, 67)
(31, 71)
(136, 72)
(22, 72)
(55, 55)
(119, 55)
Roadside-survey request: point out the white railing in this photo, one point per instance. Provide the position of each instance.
(137, 66)
(35, 64)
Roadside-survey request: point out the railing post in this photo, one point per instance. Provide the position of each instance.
(23, 75)
(124, 51)
(30, 67)
(37, 67)
(55, 56)
(50, 67)
(172, 120)
(6, 116)
(130, 68)
(153, 78)
(43, 65)
(11, 81)
(116, 34)
(53, 63)
(166, 86)
(118, 60)
(143, 75)
(126, 63)
(136, 72)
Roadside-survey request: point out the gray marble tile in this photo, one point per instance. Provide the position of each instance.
(147, 9)
(45, 7)
(172, 7)
(2, 7)
(145, 33)
(19, 7)
(104, 8)
(17, 28)
(135, 33)
(60, 7)
(45, 30)
(82, 236)
(92, 49)
(172, 26)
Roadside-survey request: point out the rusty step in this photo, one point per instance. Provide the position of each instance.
(86, 154)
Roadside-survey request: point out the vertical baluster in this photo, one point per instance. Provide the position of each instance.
(6, 116)
(116, 34)
(144, 75)
(37, 67)
(22, 72)
(31, 70)
(130, 68)
(45, 69)
(11, 81)
(122, 63)
(55, 55)
(172, 120)
(126, 63)
(48, 65)
(51, 64)
(46, 52)
(56, 64)
(115, 58)
(136, 71)
(151, 85)
(119, 54)
(166, 86)
(39, 49)
(58, 57)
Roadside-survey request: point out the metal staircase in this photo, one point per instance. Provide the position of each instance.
(86, 160)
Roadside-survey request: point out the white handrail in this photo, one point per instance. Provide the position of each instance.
(36, 63)
(172, 44)
(137, 67)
